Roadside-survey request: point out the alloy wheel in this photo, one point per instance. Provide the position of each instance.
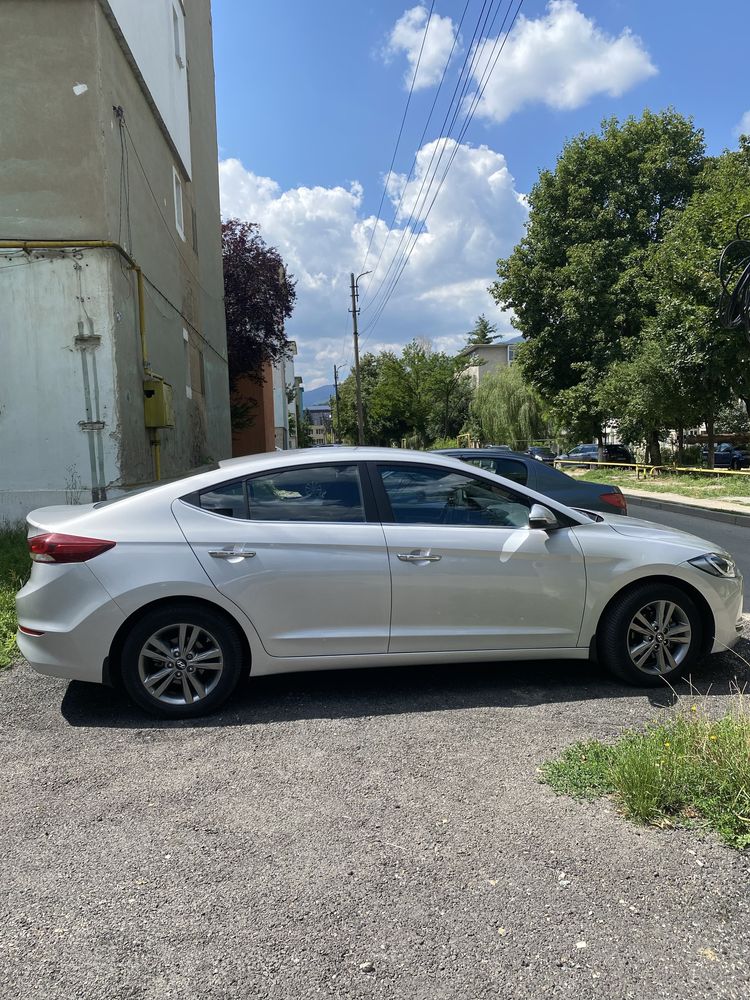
(659, 637)
(180, 664)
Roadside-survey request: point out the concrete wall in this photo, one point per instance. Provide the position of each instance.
(59, 433)
(148, 30)
(70, 170)
(50, 132)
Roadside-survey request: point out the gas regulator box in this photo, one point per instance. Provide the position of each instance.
(157, 402)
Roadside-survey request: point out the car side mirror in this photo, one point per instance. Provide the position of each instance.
(542, 517)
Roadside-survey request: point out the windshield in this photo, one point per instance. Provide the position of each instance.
(212, 467)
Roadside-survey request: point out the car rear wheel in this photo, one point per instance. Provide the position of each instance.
(181, 661)
(651, 634)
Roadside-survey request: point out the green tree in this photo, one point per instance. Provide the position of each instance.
(576, 281)
(418, 395)
(508, 410)
(483, 331)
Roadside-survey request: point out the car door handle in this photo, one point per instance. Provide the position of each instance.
(232, 552)
(417, 557)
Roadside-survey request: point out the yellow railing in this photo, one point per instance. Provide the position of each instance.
(643, 471)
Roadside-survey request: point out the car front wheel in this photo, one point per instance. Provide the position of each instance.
(652, 634)
(181, 661)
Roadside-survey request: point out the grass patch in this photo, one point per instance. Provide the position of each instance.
(701, 486)
(684, 770)
(14, 568)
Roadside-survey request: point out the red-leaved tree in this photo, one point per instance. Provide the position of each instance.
(259, 296)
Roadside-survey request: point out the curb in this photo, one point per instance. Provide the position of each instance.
(726, 516)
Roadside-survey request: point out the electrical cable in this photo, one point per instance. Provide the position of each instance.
(444, 132)
(491, 63)
(414, 161)
(167, 225)
(400, 132)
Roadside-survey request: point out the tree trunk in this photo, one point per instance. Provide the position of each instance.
(600, 442)
(680, 445)
(710, 436)
(655, 448)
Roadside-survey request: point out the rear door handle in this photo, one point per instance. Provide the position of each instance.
(417, 557)
(232, 552)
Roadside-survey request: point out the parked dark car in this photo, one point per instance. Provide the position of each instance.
(588, 454)
(541, 454)
(727, 456)
(538, 476)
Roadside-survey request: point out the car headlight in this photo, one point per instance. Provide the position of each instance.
(717, 564)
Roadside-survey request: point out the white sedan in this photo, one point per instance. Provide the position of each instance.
(360, 557)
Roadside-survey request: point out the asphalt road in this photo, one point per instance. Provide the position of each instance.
(370, 834)
(732, 537)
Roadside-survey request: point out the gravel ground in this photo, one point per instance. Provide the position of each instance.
(359, 834)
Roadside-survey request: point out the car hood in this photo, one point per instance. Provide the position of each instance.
(634, 527)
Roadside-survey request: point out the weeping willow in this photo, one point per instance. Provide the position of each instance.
(507, 410)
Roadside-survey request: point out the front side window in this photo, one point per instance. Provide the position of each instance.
(422, 494)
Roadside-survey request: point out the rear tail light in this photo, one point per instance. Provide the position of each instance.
(55, 548)
(615, 500)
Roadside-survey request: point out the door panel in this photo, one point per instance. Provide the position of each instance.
(467, 571)
(492, 588)
(310, 589)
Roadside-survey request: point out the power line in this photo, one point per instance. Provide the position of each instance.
(400, 132)
(444, 133)
(491, 63)
(414, 161)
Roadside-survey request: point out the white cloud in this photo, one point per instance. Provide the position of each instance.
(406, 36)
(323, 236)
(743, 126)
(562, 59)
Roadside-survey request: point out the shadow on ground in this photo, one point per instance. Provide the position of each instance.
(349, 694)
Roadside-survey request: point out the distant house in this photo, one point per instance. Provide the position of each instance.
(319, 417)
(490, 357)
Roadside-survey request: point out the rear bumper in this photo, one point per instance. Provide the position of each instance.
(76, 617)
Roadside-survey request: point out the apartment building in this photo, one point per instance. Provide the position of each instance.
(490, 357)
(111, 288)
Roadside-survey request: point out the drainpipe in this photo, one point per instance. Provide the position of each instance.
(29, 245)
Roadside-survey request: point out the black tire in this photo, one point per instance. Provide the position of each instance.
(216, 681)
(616, 638)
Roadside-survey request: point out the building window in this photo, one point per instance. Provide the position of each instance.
(186, 346)
(179, 219)
(511, 355)
(177, 33)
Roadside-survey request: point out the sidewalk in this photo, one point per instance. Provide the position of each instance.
(729, 511)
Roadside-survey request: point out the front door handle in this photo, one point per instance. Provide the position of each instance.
(232, 552)
(417, 557)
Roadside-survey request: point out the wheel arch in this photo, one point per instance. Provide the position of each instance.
(112, 665)
(707, 617)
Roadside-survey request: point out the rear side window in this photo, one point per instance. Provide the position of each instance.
(330, 493)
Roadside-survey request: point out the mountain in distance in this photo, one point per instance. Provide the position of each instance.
(316, 397)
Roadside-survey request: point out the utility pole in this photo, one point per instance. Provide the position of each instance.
(360, 416)
(338, 409)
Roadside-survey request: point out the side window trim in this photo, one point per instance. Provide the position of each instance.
(370, 507)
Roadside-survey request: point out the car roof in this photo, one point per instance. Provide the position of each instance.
(489, 452)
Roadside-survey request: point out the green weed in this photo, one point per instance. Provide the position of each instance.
(684, 769)
(14, 568)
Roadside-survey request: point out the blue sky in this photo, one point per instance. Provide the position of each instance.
(310, 96)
